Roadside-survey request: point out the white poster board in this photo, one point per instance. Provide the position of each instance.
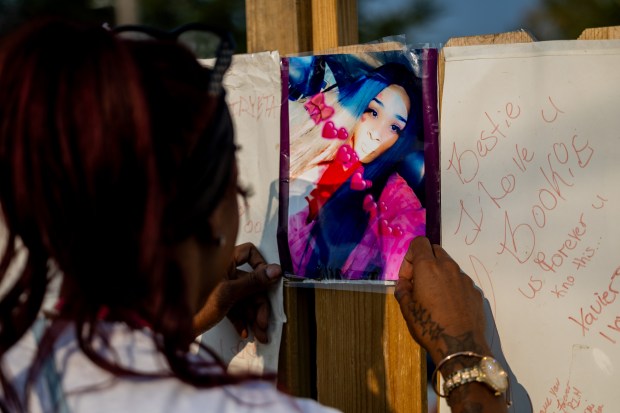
(253, 94)
(530, 178)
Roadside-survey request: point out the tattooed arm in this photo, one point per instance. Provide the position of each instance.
(444, 314)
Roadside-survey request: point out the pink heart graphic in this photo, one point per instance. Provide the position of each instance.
(343, 155)
(384, 228)
(343, 134)
(347, 156)
(357, 182)
(369, 203)
(329, 130)
(397, 231)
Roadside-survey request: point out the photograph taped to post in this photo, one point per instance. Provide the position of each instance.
(356, 193)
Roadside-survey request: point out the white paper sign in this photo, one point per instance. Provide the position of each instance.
(253, 87)
(530, 173)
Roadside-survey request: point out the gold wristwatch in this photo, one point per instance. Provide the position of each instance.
(488, 371)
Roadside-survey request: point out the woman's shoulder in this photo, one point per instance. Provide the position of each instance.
(255, 396)
(84, 387)
(171, 395)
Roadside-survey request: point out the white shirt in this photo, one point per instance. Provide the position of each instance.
(88, 388)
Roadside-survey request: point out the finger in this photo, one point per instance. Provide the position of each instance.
(249, 310)
(252, 282)
(248, 253)
(403, 287)
(405, 301)
(440, 253)
(233, 271)
(240, 326)
(445, 261)
(263, 312)
(406, 267)
(260, 334)
(236, 318)
(421, 250)
(261, 322)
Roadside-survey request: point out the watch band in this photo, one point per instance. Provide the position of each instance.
(445, 360)
(458, 378)
(488, 371)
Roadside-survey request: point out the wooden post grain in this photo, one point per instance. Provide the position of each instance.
(297, 362)
(282, 25)
(600, 33)
(366, 359)
(294, 26)
(334, 23)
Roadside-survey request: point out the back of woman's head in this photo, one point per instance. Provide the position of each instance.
(95, 133)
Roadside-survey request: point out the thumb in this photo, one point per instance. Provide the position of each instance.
(259, 279)
(406, 267)
(403, 294)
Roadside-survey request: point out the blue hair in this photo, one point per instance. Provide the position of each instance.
(342, 221)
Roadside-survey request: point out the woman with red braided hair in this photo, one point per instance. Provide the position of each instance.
(117, 169)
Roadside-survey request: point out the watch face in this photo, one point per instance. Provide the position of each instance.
(495, 374)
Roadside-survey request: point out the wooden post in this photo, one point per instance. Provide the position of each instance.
(334, 23)
(283, 25)
(294, 26)
(366, 359)
(600, 33)
(297, 364)
(350, 350)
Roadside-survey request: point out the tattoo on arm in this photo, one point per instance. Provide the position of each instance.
(434, 331)
(448, 344)
(423, 318)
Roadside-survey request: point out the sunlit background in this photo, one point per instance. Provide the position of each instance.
(423, 21)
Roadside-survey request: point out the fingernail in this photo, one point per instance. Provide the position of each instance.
(273, 272)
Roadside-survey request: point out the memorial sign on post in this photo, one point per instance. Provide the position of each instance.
(530, 142)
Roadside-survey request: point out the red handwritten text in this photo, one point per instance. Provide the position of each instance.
(613, 329)
(567, 398)
(255, 107)
(556, 260)
(590, 314)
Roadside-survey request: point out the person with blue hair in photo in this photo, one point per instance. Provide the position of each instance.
(351, 212)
